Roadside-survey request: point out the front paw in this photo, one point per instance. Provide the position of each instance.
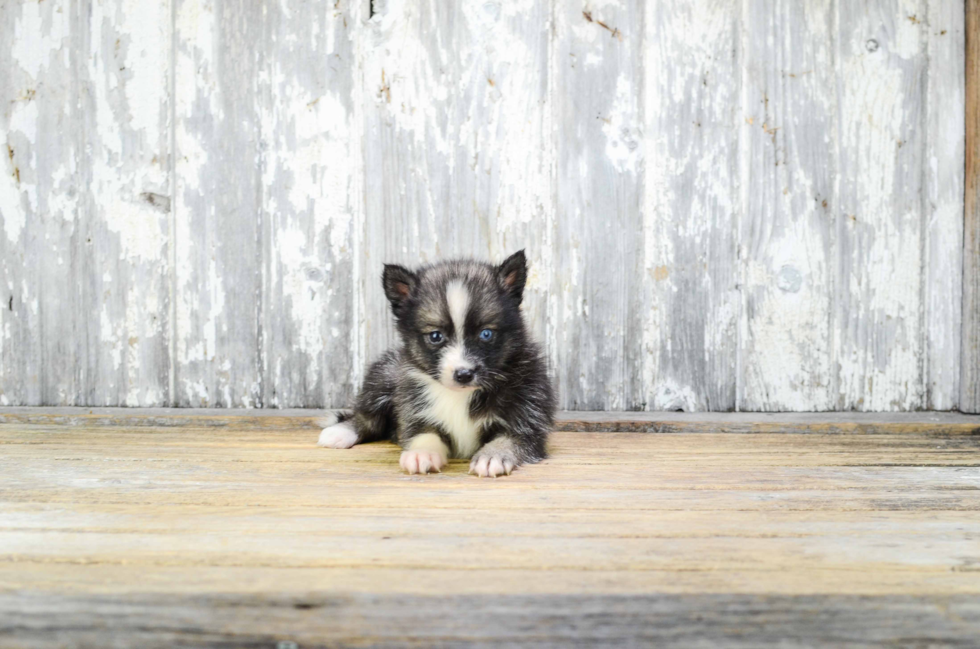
(489, 463)
(422, 461)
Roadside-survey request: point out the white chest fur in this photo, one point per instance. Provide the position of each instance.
(450, 410)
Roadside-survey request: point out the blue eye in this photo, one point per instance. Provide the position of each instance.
(435, 337)
(486, 335)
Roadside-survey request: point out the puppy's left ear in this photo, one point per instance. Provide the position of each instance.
(512, 275)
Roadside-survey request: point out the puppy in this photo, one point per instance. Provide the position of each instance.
(466, 381)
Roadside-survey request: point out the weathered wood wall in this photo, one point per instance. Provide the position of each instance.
(753, 206)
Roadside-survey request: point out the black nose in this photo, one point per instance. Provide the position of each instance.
(464, 376)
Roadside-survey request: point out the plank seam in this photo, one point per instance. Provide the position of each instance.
(743, 163)
(837, 400)
(172, 233)
(924, 398)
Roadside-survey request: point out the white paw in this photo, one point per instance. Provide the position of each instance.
(490, 466)
(422, 461)
(340, 435)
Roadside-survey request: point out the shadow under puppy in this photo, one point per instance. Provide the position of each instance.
(466, 381)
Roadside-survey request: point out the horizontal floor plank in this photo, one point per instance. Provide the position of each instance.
(587, 620)
(237, 535)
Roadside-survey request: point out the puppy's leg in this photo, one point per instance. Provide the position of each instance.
(345, 430)
(373, 418)
(338, 431)
(423, 453)
(500, 456)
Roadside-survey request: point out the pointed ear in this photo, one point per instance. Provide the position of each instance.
(512, 275)
(399, 284)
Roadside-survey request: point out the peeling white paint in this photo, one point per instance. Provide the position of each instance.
(879, 359)
(39, 34)
(678, 242)
(623, 139)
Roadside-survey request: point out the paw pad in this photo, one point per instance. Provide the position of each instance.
(422, 462)
(490, 466)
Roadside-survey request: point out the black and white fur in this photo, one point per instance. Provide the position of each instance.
(452, 389)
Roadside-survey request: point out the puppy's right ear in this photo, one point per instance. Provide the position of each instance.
(400, 284)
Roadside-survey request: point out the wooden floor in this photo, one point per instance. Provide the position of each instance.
(247, 535)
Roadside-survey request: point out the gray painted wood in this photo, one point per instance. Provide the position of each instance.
(502, 175)
(85, 203)
(456, 149)
(599, 154)
(942, 280)
(691, 206)
(881, 143)
(406, 91)
(218, 204)
(786, 241)
(40, 202)
(666, 166)
(305, 99)
(122, 234)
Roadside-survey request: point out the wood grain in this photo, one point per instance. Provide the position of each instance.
(502, 175)
(122, 266)
(219, 188)
(492, 621)
(970, 380)
(727, 206)
(599, 154)
(691, 208)
(786, 238)
(236, 535)
(456, 148)
(640, 422)
(40, 201)
(879, 320)
(309, 202)
(943, 209)
(408, 94)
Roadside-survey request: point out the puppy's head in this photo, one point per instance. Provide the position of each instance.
(460, 321)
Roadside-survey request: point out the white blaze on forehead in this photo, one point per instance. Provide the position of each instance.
(458, 300)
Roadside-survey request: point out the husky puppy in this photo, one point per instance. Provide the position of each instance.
(466, 381)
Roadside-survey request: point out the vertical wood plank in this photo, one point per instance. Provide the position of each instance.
(306, 111)
(691, 206)
(599, 157)
(408, 93)
(969, 400)
(970, 358)
(502, 176)
(882, 66)
(456, 145)
(40, 191)
(789, 129)
(943, 204)
(121, 249)
(219, 247)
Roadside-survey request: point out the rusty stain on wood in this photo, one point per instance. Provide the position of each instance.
(613, 31)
